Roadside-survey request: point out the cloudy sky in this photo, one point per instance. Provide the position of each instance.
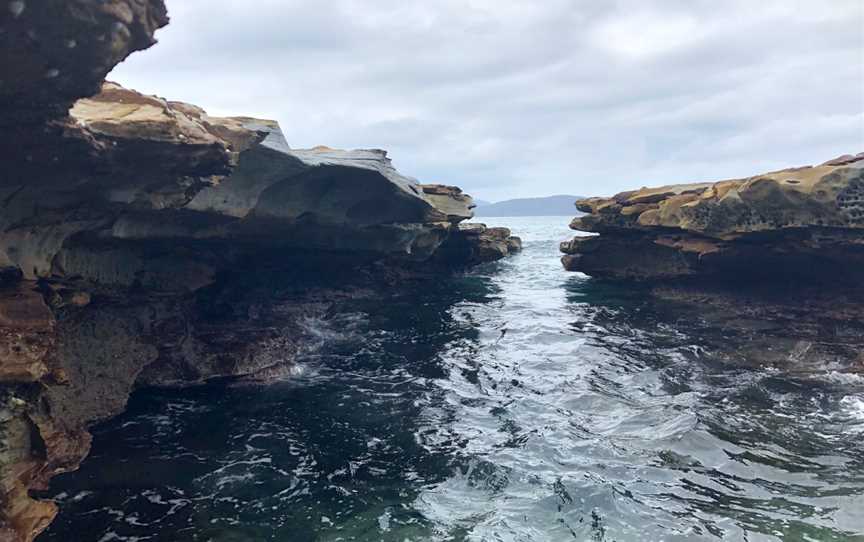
(517, 98)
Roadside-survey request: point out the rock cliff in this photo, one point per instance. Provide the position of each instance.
(144, 242)
(803, 224)
(779, 255)
(166, 174)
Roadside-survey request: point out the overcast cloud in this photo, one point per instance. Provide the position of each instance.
(511, 98)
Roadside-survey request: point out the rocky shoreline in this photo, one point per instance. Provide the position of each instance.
(795, 223)
(776, 256)
(146, 243)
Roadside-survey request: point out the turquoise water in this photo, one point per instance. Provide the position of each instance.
(516, 403)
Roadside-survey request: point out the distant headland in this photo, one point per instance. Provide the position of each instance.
(560, 205)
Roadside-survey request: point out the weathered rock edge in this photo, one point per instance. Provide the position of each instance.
(802, 225)
(778, 258)
(143, 242)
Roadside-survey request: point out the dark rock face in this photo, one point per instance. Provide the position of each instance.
(56, 51)
(218, 190)
(476, 243)
(145, 243)
(72, 353)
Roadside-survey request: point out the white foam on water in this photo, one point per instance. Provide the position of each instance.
(848, 379)
(853, 406)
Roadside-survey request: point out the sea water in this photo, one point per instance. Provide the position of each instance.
(517, 402)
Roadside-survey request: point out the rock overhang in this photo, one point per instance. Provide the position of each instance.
(790, 224)
(144, 242)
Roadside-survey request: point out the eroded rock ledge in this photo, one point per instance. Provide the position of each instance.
(779, 256)
(144, 242)
(803, 224)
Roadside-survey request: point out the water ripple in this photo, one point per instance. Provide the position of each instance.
(518, 403)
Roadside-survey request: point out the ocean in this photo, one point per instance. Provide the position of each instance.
(517, 402)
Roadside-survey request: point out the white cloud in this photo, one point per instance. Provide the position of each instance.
(510, 98)
(644, 35)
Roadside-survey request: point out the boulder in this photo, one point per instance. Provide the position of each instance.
(475, 243)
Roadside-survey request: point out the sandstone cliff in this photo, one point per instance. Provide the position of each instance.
(779, 257)
(166, 174)
(144, 242)
(803, 224)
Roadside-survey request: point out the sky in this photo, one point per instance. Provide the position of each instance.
(508, 98)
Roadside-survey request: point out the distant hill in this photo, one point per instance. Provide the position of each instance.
(548, 206)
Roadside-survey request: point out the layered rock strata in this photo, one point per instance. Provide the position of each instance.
(144, 242)
(779, 257)
(804, 225)
(220, 188)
